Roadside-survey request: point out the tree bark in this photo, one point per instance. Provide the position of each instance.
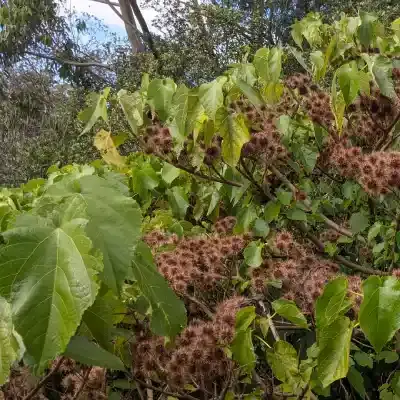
(143, 25)
(130, 26)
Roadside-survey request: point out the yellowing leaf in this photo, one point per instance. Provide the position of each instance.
(235, 134)
(104, 143)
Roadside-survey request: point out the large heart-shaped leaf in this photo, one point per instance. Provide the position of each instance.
(159, 94)
(380, 310)
(114, 221)
(47, 271)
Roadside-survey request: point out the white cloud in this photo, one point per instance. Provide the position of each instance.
(104, 12)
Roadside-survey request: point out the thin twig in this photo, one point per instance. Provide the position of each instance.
(307, 203)
(389, 131)
(275, 333)
(340, 259)
(303, 392)
(83, 384)
(205, 309)
(68, 62)
(41, 383)
(178, 396)
(200, 175)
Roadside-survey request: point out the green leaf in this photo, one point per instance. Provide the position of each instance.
(284, 197)
(243, 350)
(284, 363)
(168, 312)
(169, 173)
(334, 345)
(48, 272)
(244, 318)
(97, 109)
(252, 254)
(9, 341)
(114, 221)
(144, 180)
(179, 110)
(159, 95)
(268, 64)
(366, 29)
(349, 82)
(288, 309)
(374, 231)
(359, 222)
(81, 349)
(307, 156)
(272, 210)
(356, 381)
(380, 310)
(260, 228)
(234, 133)
(249, 92)
(338, 105)
(363, 359)
(211, 96)
(332, 303)
(99, 319)
(382, 71)
(132, 106)
(299, 57)
(244, 219)
(389, 356)
(378, 248)
(296, 214)
(178, 201)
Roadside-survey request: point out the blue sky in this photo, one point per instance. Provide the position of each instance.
(106, 14)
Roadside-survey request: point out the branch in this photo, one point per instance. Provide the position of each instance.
(200, 175)
(307, 202)
(109, 3)
(340, 259)
(205, 309)
(113, 7)
(178, 396)
(41, 383)
(69, 62)
(83, 384)
(390, 132)
(145, 28)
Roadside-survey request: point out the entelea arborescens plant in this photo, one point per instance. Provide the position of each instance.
(249, 248)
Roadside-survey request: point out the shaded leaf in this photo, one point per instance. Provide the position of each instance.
(168, 315)
(244, 318)
(358, 222)
(357, 381)
(260, 228)
(81, 349)
(243, 350)
(252, 254)
(97, 109)
(363, 359)
(178, 201)
(288, 309)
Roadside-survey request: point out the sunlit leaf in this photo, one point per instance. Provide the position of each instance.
(380, 310)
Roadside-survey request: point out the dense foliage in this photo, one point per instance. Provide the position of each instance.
(250, 248)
